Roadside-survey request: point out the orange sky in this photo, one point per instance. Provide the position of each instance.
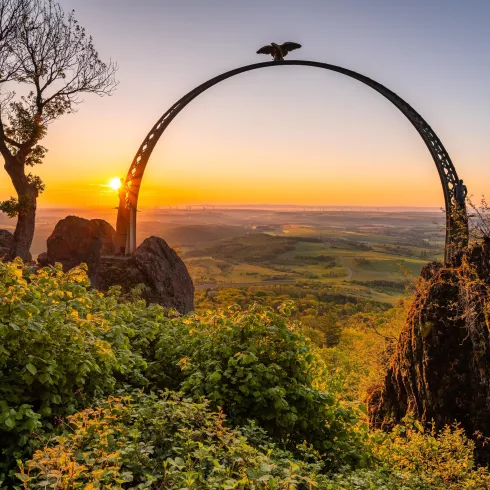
(288, 135)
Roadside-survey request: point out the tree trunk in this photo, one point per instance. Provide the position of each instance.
(24, 233)
(26, 219)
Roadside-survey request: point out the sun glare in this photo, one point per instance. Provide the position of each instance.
(115, 183)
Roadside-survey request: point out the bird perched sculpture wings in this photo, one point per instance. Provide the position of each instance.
(266, 50)
(287, 47)
(279, 51)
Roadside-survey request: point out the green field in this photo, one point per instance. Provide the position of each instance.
(371, 260)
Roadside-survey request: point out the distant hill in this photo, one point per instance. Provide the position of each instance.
(252, 248)
(196, 235)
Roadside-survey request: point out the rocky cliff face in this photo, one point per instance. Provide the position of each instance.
(154, 264)
(440, 371)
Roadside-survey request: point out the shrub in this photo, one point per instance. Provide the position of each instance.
(166, 442)
(434, 460)
(60, 348)
(145, 441)
(257, 366)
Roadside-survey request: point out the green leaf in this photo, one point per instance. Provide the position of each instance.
(215, 377)
(31, 368)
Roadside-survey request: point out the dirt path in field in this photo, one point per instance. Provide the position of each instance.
(349, 271)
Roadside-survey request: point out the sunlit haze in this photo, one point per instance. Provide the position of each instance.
(285, 135)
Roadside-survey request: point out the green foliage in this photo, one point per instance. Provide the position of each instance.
(321, 311)
(145, 441)
(273, 419)
(65, 346)
(167, 442)
(257, 366)
(10, 207)
(61, 346)
(430, 460)
(26, 125)
(13, 207)
(362, 355)
(329, 325)
(36, 182)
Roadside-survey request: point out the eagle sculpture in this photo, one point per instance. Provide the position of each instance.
(279, 51)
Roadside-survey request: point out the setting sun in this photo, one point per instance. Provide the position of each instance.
(115, 183)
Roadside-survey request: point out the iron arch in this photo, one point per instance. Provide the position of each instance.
(456, 216)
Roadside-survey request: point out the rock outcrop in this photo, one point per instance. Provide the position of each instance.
(158, 267)
(154, 264)
(440, 371)
(42, 259)
(76, 240)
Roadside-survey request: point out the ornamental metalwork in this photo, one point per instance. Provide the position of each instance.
(452, 186)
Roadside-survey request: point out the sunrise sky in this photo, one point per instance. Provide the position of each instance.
(285, 135)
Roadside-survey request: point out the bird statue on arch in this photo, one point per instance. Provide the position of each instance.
(279, 51)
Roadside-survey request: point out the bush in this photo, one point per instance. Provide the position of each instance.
(61, 347)
(257, 366)
(167, 442)
(64, 347)
(145, 441)
(433, 460)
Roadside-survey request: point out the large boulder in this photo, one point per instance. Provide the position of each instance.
(76, 240)
(440, 371)
(156, 266)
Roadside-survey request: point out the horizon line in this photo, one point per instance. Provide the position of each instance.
(207, 207)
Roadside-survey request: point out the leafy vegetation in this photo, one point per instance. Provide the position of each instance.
(100, 391)
(160, 442)
(321, 311)
(61, 347)
(258, 367)
(149, 441)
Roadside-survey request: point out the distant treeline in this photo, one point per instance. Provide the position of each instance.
(316, 259)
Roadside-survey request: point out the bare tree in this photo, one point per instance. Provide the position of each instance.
(479, 220)
(11, 12)
(53, 61)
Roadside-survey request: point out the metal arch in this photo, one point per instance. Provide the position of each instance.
(456, 216)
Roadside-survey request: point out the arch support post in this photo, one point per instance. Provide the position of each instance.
(131, 236)
(122, 225)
